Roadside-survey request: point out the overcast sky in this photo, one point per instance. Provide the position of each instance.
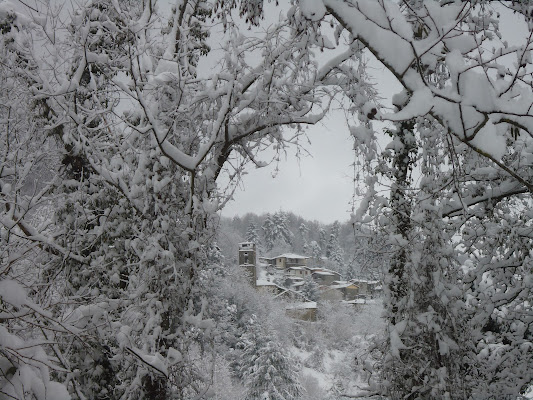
(316, 187)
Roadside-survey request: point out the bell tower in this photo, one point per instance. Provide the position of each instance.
(247, 260)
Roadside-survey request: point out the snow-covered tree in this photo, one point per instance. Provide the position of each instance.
(282, 226)
(334, 251)
(331, 245)
(276, 231)
(269, 232)
(304, 237)
(252, 235)
(310, 289)
(266, 366)
(322, 239)
(138, 136)
(315, 251)
(141, 138)
(463, 126)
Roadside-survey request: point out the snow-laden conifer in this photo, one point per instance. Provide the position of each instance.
(268, 370)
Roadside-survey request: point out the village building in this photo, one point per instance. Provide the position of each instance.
(347, 289)
(305, 311)
(290, 260)
(300, 272)
(351, 290)
(360, 303)
(292, 281)
(367, 288)
(325, 277)
(290, 294)
(282, 277)
(268, 261)
(247, 260)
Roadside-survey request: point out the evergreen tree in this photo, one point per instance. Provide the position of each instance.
(331, 245)
(276, 230)
(266, 367)
(252, 235)
(304, 234)
(334, 252)
(269, 232)
(315, 250)
(310, 289)
(337, 257)
(335, 229)
(333, 241)
(282, 226)
(322, 239)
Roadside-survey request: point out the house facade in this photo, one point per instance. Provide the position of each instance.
(289, 260)
(367, 288)
(305, 311)
(325, 277)
(300, 272)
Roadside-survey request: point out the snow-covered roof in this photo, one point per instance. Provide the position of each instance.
(324, 273)
(264, 282)
(330, 270)
(302, 306)
(294, 293)
(291, 255)
(297, 268)
(359, 301)
(341, 285)
(318, 269)
(364, 281)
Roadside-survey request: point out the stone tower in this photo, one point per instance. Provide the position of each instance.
(247, 260)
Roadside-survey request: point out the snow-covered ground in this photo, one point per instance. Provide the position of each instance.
(333, 352)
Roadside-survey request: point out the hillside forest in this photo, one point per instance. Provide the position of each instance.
(355, 252)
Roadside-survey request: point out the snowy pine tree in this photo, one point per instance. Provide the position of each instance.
(276, 231)
(304, 234)
(333, 240)
(267, 368)
(252, 235)
(315, 250)
(283, 232)
(322, 239)
(310, 289)
(269, 232)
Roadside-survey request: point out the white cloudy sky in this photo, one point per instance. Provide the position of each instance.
(316, 187)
